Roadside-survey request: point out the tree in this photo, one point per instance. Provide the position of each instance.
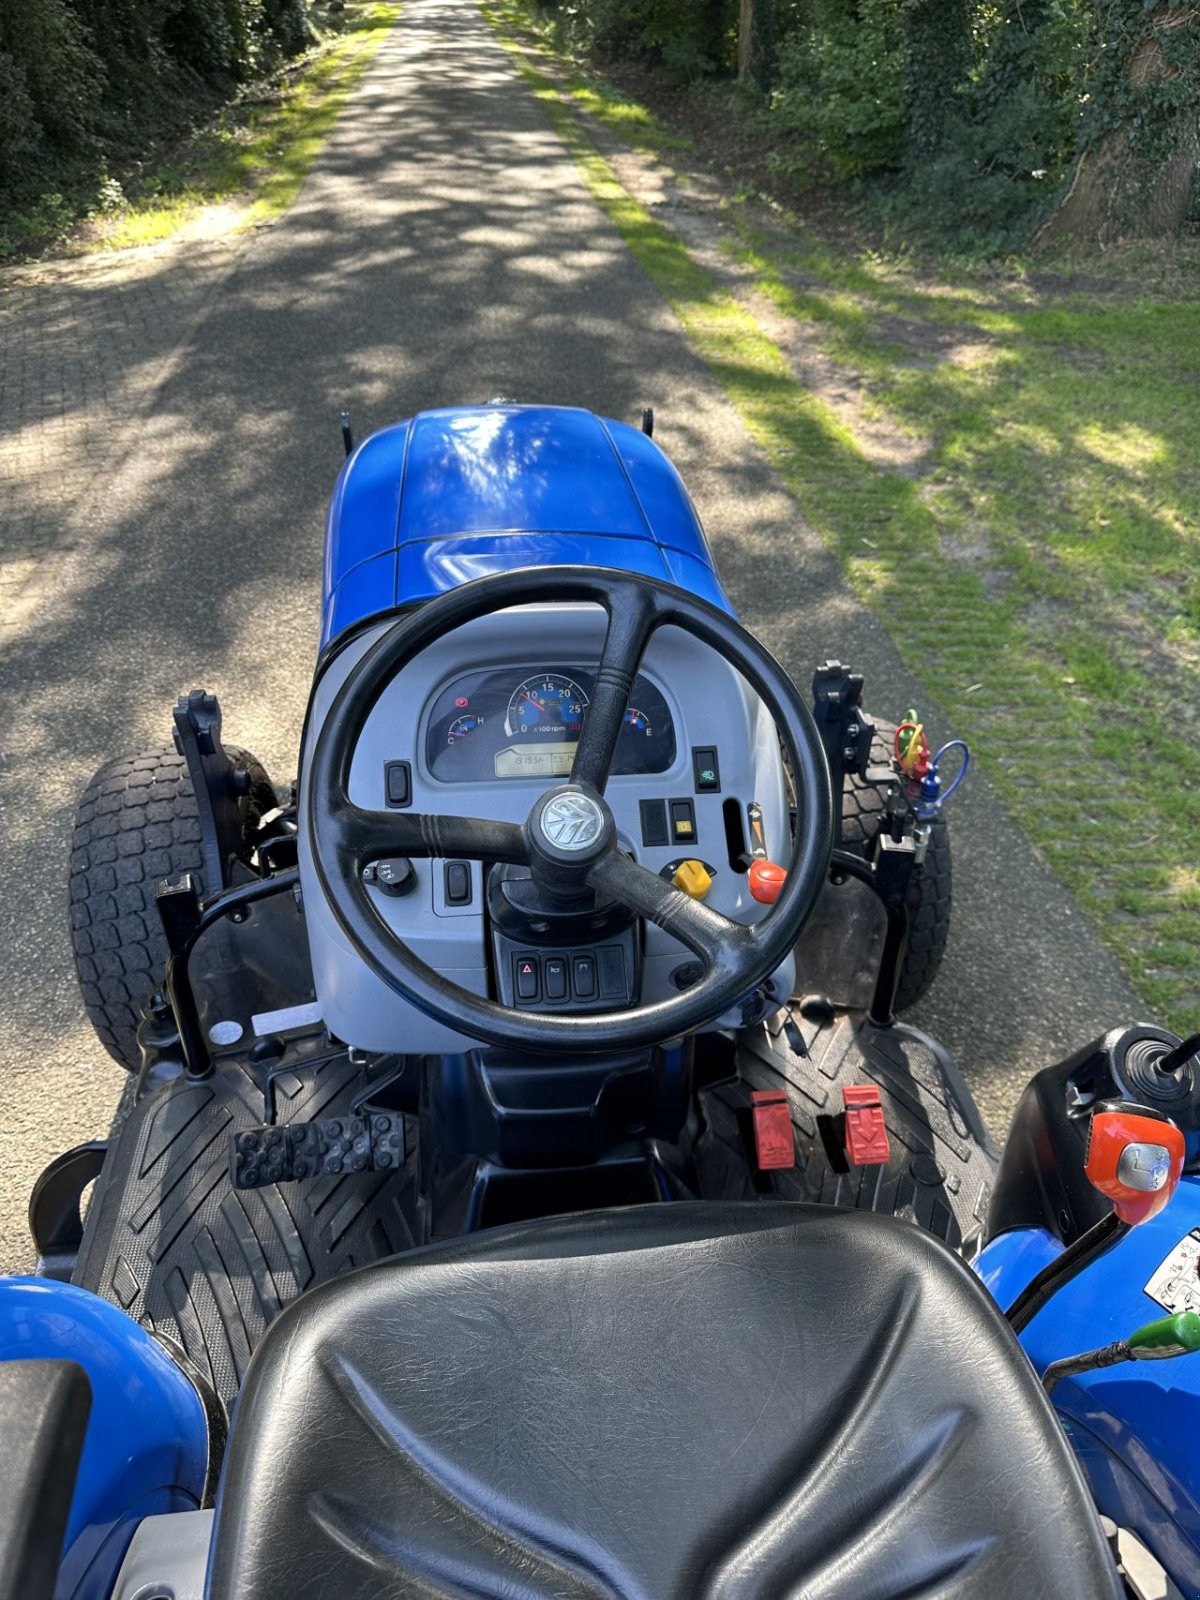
(1135, 172)
(756, 43)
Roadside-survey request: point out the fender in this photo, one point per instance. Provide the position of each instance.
(146, 1449)
(1133, 1426)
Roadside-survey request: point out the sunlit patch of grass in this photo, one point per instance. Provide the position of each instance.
(1040, 577)
(260, 156)
(1126, 445)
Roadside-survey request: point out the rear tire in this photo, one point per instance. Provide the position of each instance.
(929, 893)
(137, 823)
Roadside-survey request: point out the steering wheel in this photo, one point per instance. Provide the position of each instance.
(569, 839)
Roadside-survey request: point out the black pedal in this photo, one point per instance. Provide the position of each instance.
(304, 1142)
(333, 1148)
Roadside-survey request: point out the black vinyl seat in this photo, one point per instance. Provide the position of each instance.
(676, 1402)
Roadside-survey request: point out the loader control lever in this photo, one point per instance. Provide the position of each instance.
(1134, 1158)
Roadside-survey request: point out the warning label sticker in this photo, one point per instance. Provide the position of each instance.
(1176, 1283)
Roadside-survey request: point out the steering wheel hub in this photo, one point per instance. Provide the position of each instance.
(570, 821)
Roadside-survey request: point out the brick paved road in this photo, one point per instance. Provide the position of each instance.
(82, 346)
(169, 440)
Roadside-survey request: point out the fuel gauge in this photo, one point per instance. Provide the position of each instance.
(639, 721)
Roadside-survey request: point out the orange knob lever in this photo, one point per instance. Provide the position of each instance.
(766, 881)
(1135, 1157)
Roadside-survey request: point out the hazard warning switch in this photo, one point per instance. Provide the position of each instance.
(866, 1131)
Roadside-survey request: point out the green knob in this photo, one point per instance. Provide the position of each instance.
(1168, 1336)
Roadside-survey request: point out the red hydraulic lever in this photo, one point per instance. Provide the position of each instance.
(766, 881)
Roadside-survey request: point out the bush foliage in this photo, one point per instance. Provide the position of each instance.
(967, 117)
(83, 82)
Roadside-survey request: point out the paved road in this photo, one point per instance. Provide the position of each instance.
(444, 249)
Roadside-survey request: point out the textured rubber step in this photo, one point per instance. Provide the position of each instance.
(170, 1240)
(942, 1163)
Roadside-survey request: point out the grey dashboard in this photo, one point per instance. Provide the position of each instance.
(525, 674)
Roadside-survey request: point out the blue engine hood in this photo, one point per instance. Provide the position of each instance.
(459, 493)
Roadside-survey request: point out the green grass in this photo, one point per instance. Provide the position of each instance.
(1038, 565)
(256, 151)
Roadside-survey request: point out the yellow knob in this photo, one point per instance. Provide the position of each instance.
(694, 878)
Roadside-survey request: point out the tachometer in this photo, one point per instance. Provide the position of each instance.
(550, 706)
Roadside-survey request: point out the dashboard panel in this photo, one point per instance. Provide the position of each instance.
(524, 722)
(694, 704)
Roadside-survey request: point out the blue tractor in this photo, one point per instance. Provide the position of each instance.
(525, 1185)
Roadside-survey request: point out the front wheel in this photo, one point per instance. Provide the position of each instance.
(137, 823)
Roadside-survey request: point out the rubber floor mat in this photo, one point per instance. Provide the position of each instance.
(171, 1242)
(942, 1163)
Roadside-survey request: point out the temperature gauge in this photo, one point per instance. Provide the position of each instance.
(462, 726)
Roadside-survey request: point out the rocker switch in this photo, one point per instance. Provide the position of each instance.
(399, 783)
(527, 977)
(458, 883)
(584, 971)
(683, 822)
(555, 974)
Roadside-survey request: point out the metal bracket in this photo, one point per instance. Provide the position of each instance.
(845, 731)
(888, 876)
(218, 785)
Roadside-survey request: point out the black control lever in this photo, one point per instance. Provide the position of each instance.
(1175, 1060)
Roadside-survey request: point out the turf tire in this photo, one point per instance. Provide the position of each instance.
(136, 824)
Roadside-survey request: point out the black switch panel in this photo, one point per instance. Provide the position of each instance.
(399, 783)
(706, 770)
(458, 883)
(654, 822)
(574, 982)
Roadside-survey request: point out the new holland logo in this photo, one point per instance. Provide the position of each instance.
(572, 821)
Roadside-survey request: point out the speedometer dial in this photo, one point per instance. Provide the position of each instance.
(550, 706)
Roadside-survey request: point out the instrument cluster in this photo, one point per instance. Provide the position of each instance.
(522, 723)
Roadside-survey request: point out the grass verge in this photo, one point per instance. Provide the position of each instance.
(1037, 565)
(256, 152)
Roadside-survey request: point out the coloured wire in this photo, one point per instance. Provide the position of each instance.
(952, 744)
(909, 752)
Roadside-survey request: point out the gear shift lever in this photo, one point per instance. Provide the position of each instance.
(1135, 1158)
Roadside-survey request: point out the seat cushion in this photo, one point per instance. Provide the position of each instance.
(669, 1402)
